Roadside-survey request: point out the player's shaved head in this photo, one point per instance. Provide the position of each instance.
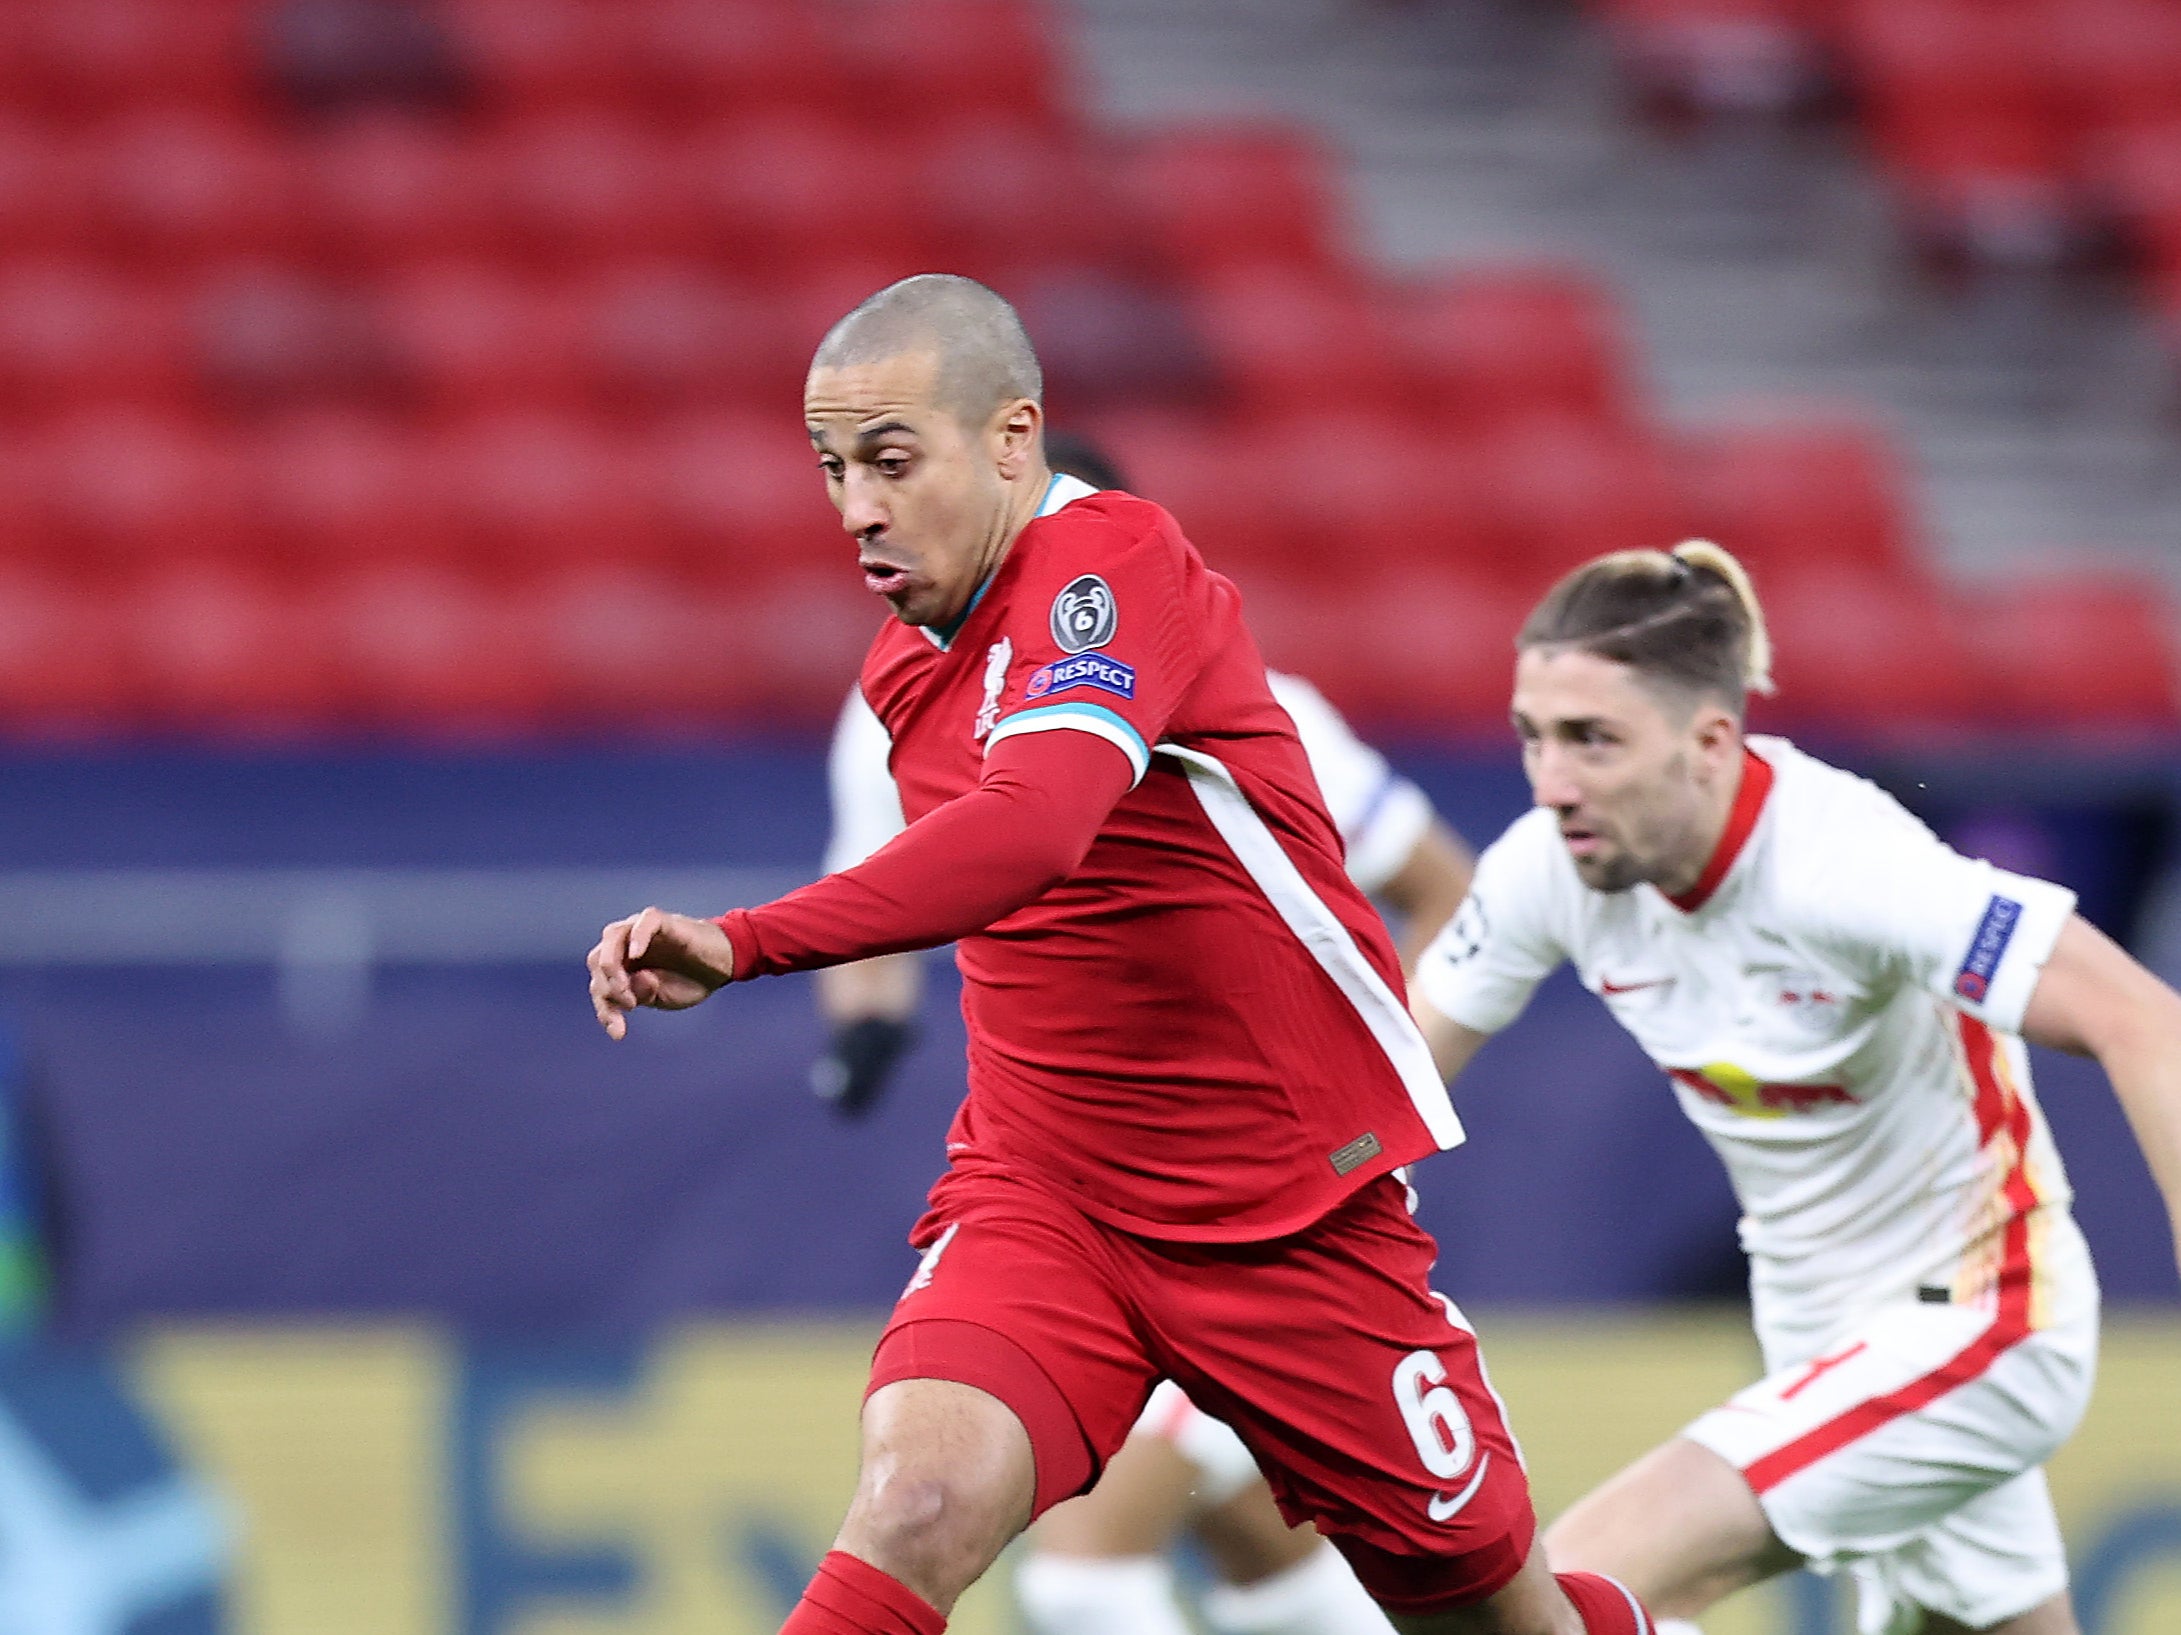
(983, 353)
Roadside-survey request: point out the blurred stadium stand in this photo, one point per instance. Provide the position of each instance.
(363, 361)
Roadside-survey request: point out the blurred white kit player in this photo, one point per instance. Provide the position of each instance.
(1383, 818)
(1837, 1002)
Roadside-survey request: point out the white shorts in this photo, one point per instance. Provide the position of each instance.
(1223, 1465)
(1907, 1451)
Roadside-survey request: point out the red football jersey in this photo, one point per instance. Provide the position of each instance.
(1200, 1033)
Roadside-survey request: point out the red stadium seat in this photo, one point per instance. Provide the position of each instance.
(465, 335)
(541, 53)
(85, 57)
(60, 653)
(1283, 339)
(1008, 199)
(131, 487)
(333, 489)
(1492, 346)
(175, 184)
(1874, 651)
(45, 201)
(386, 188)
(743, 498)
(698, 58)
(1109, 341)
(2114, 62)
(589, 625)
(1213, 481)
(416, 647)
(778, 194)
(1988, 187)
(585, 187)
(1434, 649)
(535, 489)
(802, 634)
(1799, 494)
(952, 59)
(2062, 651)
(267, 335)
(1363, 492)
(672, 333)
(1242, 194)
(69, 331)
(1934, 58)
(2134, 182)
(212, 647)
(1554, 493)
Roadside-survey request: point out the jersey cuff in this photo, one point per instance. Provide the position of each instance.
(1076, 717)
(2046, 909)
(743, 940)
(1396, 819)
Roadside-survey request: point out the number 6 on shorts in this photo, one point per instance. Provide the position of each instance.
(1438, 1425)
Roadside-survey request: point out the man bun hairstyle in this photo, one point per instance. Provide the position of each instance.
(1688, 618)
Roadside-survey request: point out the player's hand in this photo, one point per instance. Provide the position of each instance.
(858, 1063)
(665, 961)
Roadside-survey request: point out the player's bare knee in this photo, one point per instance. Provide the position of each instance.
(934, 1530)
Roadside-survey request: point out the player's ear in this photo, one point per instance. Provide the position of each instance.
(1017, 434)
(1718, 735)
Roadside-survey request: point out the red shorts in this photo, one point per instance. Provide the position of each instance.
(1359, 1391)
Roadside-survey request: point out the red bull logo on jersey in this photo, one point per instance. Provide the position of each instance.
(1084, 670)
(1745, 1093)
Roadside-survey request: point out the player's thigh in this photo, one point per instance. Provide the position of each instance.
(1139, 1506)
(1015, 1297)
(1679, 1527)
(1899, 1425)
(1361, 1393)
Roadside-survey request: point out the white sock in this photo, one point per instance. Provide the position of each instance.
(1316, 1596)
(1098, 1595)
(1675, 1626)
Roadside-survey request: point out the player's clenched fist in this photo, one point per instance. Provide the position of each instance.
(666, 961)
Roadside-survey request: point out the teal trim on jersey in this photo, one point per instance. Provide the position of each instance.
(943, 639)
(1073, 707)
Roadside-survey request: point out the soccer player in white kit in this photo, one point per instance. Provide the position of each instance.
(1096, 1565)
(1840, 1001)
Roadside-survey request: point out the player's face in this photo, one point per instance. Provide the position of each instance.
(928, 500)
(1629, 776)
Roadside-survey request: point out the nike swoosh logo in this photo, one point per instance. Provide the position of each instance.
(1610, 988)
(1442, 1508)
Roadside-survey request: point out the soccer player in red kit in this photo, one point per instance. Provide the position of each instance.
(1192, 1075)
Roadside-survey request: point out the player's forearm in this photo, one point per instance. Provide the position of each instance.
(1429, 888)
(971, 863)
(2144, 1066)
(884, 988)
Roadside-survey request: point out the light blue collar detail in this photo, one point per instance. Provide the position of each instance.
(1062, 491)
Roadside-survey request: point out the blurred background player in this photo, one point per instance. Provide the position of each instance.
(1840, 1000)
(1097, 1563)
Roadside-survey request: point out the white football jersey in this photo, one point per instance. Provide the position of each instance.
(1837, 1004)
(1380, 814)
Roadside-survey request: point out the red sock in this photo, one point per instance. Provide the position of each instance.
(1607, 1608)
(852, 1597)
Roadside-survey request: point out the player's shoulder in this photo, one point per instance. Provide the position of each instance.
(1107, 528)
(1841, 846)
(1825, 810)
(1530, 855)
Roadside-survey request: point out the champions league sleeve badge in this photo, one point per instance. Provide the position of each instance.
(1084, 615)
